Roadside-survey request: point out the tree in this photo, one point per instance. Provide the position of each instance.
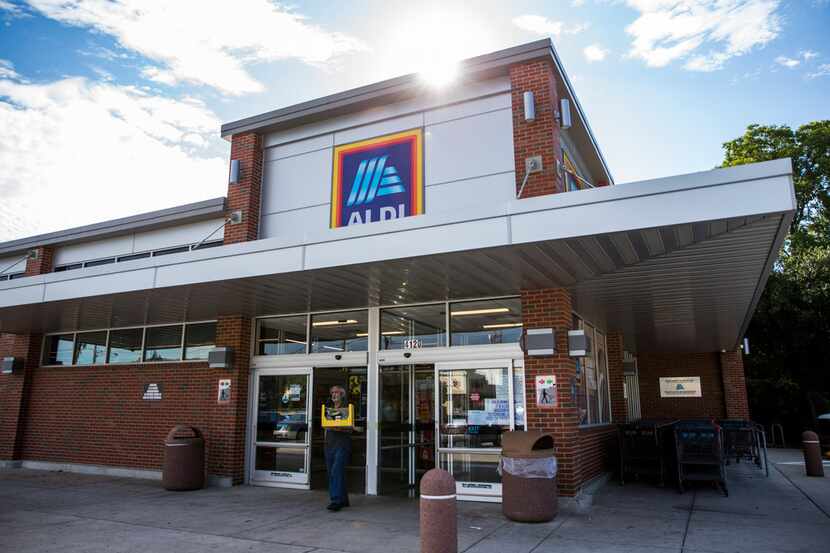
(787, 372)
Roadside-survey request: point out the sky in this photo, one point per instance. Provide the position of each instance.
(113, 107)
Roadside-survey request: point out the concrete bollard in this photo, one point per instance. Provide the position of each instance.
(812, 454)
(439, 524)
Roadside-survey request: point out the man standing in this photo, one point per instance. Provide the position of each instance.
(338, 450)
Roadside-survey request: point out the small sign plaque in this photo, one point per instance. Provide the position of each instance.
(681, 386)
(546, 391)
(152, 392)
(224, 390)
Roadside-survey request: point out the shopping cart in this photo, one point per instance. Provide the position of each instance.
(700, 457)
(744, 440)
(645, 449)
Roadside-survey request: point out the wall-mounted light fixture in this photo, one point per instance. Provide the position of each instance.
(220, 358)
(565, 111)
(530, 106)
(234, 177)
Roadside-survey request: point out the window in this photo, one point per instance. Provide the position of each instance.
(91, 347)
(133, 257)
(163, 343)
(333, 332)
(199, 340)
(71, 267)
(125, 345)
(486, 322)
(592, 388)
(98, 262)
(282, 335)
(59, 349)
(168, 251)
(423, 326)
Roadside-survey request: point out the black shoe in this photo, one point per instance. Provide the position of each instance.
(334, 507)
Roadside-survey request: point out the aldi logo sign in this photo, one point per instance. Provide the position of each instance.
(378, 179)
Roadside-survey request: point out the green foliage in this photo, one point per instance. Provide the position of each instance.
(790, 332)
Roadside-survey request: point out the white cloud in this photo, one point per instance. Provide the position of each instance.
(822, 71)
(808, 54)
(209, 43)
(595, 52)
(577, 3)
(544, 26)
(787, 62)
(706, 33)
(7, 70)
(12, 9)
(75, 152)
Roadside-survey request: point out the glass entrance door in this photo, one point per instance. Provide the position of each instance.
(281, 433)
(406, 436)
(475, 405)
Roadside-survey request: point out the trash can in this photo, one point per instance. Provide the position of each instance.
(184, 459)
(528, 476)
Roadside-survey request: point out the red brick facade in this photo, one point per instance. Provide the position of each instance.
(705, 365)
(96, 415)
(41, 263)
(734, 385)
(539, 137)
(616, 377)
(246, 194)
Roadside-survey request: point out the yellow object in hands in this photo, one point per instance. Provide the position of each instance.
(337, 421)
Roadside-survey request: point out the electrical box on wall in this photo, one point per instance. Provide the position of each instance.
(220, 358)
(579, 343)
(9, 365)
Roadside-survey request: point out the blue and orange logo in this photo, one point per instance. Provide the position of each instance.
(378, 179)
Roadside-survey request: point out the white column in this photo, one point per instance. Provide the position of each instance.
(373, 378)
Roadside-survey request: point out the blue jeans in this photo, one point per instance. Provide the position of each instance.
(336, 459)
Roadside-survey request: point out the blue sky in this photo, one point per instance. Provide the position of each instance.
(113, 108)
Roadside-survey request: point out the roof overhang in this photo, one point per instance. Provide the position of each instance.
(676, 264)
(177, 215)
(410, 86)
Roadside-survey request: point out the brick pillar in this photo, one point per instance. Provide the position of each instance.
(226, 445)
(616, 378)
(245, 195)
(14, 389)
(539, 137)
(734, 385)
(551, 308)
(41, 263)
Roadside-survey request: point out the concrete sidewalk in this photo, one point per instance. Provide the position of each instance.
(51, 511)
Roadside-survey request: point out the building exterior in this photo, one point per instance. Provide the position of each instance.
(434, 251)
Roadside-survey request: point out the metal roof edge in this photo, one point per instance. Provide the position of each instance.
(161, 218)
(396, 85)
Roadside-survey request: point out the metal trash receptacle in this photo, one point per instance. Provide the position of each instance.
(184, 459)
(528, 476)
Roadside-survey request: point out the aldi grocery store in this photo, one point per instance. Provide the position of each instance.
(459, 259)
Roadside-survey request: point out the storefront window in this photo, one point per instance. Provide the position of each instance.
(58, 350)
(486, 322)
(333, 332)
(91, 348)
(125, 345)
(282, 335)
(199, 340)
(474, 406)
(592, 387)
(164, 343)
(423, 326)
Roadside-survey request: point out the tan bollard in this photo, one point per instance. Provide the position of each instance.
(812, 454)
(439, 524)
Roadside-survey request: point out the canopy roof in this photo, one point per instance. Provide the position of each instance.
(676, 264)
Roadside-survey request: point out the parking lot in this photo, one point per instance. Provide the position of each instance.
(43, 511)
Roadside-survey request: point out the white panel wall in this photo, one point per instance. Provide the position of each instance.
(468, 156)
(8, 261)
(138, 242)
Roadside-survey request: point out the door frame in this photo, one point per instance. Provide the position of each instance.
(469, 490)
(253, 417)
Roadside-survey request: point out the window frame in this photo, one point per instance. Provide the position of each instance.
(109, 331)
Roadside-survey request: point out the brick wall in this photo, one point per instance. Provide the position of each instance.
(551, 308)
(734, 385)
(616, 378)
(597, 451)
(14, 391)
(96, 414)
(246, 194)
(652, 366)
(42, 263)
(539, 137)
